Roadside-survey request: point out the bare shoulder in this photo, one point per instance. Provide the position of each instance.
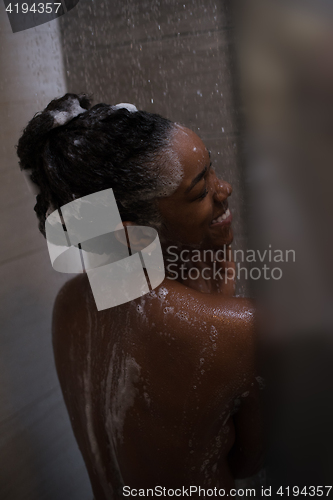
(70, 306)
(208, 326)
(72, 292)
(173, 304)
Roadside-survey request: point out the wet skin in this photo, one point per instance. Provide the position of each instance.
(188, 213)
(152, 386)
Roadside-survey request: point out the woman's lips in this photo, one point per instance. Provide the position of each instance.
(223, 220)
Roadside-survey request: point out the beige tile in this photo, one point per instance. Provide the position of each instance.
(185, 79)
(13, 190)
(39, 457)
(111, 24)
(28, 288)
(19, 232)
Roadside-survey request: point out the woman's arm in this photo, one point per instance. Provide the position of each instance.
(246, 456)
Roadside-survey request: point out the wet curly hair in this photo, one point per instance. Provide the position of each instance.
(103, 147)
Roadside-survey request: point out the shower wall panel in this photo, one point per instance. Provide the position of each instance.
(39, 458)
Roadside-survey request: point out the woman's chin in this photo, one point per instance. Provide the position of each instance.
(224, 239)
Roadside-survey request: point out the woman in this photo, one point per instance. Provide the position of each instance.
(162, 390)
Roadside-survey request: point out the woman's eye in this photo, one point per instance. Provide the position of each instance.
(203, 195)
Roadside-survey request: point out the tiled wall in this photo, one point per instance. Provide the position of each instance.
(39, 458)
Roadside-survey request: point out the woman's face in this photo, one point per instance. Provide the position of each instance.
(192, 215)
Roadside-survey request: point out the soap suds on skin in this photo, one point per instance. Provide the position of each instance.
(162, 293)
(92, 437)
(87, 383)
(120, 390)
(108, 419)
(124, 391)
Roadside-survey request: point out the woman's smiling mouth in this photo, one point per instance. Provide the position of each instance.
(223, 219)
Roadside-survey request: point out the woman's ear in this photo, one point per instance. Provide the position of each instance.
(135, 237)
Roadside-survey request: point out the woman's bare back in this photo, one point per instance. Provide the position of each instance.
(152, 386)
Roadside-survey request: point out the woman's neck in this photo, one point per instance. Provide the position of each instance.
(205, 270)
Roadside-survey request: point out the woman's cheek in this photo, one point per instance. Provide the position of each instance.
(206, 215)
(209, 207)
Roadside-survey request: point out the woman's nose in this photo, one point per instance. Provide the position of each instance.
(222, 190)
